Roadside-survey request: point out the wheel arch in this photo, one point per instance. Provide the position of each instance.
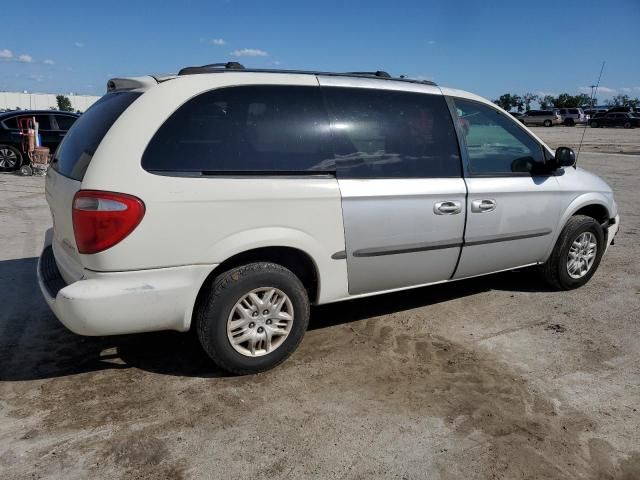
(593, 205)
(298, 261)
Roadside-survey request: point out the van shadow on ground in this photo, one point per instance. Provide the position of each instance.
(34, 345)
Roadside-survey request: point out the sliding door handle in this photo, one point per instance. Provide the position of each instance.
(484, 205)
(448, 207)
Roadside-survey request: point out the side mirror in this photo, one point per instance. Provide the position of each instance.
(565, 157)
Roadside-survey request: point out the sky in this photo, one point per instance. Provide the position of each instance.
(486, 47)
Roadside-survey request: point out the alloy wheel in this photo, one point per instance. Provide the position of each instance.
(8, 158)
(582, 254)
(260, 322)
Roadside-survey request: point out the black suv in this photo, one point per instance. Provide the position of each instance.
(616, 119)
(53, 127)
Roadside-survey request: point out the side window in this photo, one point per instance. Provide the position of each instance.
(391, 134)
(65, 121)
(245, 129)
(44, 122)
(11, 123)
(496, 144)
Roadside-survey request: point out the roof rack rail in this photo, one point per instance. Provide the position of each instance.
(235, 66)
(377, 73)
(211, 67)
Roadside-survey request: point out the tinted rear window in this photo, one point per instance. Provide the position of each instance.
(245, 129)
(76, 150)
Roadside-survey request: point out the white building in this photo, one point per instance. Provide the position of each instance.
(42, 101)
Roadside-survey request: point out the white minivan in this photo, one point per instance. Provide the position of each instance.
(229, 200)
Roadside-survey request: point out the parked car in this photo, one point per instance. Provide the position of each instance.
(53, 127)
(228, 201)
(615, 119)
(573, 116)
(548, 118)
(516, 114)
(593, 111)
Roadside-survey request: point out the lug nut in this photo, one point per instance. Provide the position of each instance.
(254, 314)
(260, 329)
(268, 321)
(251, 325)
(266, 312)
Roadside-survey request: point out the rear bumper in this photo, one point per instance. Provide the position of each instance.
(122, 302)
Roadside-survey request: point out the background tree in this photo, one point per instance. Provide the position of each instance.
(509, 101)
(623, 101)
(527, 98)
(564, 100)
(64, 104)
(546, 102)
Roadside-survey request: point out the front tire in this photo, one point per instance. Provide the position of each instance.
(253, 317)
(576, 255)
(547, 123)
(10, 158)
(627, 125)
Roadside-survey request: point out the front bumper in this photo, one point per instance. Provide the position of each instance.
(122, 302)
(612, 231)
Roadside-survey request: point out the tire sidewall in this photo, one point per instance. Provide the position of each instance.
(237, 283)
(587, 225)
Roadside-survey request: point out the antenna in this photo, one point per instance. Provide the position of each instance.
(594, 91)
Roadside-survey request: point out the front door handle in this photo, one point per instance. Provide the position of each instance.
(482, 206)
(448, 207)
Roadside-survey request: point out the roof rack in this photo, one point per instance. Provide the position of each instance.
(377, 73)
(235, 66)
(211, 67)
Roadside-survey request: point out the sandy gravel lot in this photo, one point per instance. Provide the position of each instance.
(493, 377)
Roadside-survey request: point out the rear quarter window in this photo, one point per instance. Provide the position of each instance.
(245, 129)
(76, 150)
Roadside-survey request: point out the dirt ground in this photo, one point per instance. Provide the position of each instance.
(490, 378)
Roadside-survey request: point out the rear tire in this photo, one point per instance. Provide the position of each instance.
(233, 324)
(569, 122)
(10, 158)
(594, 124)
(558, 271)
(627, 125)
(547, 123)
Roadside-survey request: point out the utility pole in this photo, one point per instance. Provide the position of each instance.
(592, 88)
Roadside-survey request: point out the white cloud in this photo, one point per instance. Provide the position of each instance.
(612, 91)
(4, 53)
(25, 58)
(48, 61)
(431, 42)
(277, 62)
(544, 94)
(249, 52)
(213, 41)
(79, 44)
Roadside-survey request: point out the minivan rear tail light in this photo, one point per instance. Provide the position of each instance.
(103, 219)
